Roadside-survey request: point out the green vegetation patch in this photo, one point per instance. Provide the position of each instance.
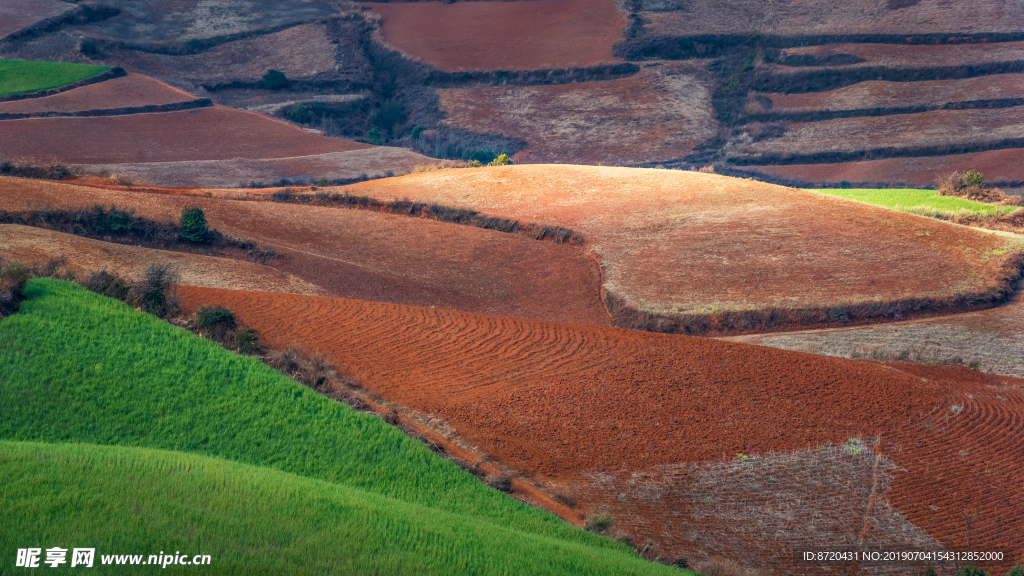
(77, 367)
(250, 520)
(21, 76)
(922, 202)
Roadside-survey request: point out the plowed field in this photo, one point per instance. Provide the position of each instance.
(504, 35)
(27, 244)
(915, 55)
(895, 94)
(657, 115)
(216, 133)
(551, 398)
(996, 165)
(374, 162)
(126, 91)
(18, 14)
(673, 241)
(373, 256)
(935, 128)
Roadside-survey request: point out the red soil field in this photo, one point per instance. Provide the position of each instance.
(914, 55)
(217, 133)
(27, 244)
(18, 14)
(657, 115)
(374, 256)
(996, 165)
(124, 92)
(874, 94)
(523, 35)
(673, 241)
(552, 399)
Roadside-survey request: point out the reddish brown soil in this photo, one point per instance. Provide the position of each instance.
(657, 115)
(996, 165)
(373, 256)
(127, 91)
(552, 399)
(217, 133)
(521, 35)
(894, 94)
(18, 14)
(83, 255)
(673, 241)
(915, 55)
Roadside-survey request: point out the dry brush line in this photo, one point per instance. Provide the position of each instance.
(780, 319)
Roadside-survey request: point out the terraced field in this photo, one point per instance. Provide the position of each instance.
(913, 55)
(128, 91)
(503, 35)
(18, 14)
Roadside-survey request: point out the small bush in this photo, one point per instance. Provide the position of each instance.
(105, 283)
(216, 321)
(473, 164)
(115, 221)
(275, 80)
(501, 160)
(154, 293)
(971, 570)
(599, 523)
(501, 483)
(1017, 570)
(285, 196)
(974, 179)
(193, 225)
(247, 341)
(12, 283)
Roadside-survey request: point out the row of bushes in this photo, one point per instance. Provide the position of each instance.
(51, 171)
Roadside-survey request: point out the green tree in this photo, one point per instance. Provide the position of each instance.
(274, 80)
(193, 225)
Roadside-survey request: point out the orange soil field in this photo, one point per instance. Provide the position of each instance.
(300, 51)
(914, 55)
(996, 165)
(521, 35)
(374, 256)
(127, 91)
(375, 162)
(217, 133)
(18, 14)
(657, 115)
(673, 241)
(812, 17)
(934, 128)
(894, 94)
(84, 255)
(610, 415)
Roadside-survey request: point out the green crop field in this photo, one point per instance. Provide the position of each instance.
(20, 76)
(76, 367)
(922, 202)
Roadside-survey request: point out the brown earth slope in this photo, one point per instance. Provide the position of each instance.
(124, 92)
(18, 14)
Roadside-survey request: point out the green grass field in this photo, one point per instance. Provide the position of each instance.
(76, 367)
(922, 202)
(20, 76)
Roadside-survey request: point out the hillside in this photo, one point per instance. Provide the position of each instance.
(129, 380)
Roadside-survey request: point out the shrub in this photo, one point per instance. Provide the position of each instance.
(599, 523)
(1016, 571)
(971, 570)
(12, 282)
(113, 222)
(247, 341)
(298, 113)
(473, 164)
(274, 80)
(286, 195)
(193, 225)
(501, 483)
(154, 293)
(195, 45)
(974, 179)
(105, 283)
(374, 136)
(501, 160)
(216, 321)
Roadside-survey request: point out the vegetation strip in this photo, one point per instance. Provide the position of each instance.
(148, 109)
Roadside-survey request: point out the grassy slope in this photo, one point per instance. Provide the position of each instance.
(254, 520)
(20, 76)
(78, 367)
(917, 201)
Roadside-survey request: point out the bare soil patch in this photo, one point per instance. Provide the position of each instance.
(657, 115)
(372, 162)
(673, 242)
(85, 255)
(875, 94)
(996, 165)
(373, 256)
(504, 35)
(217, 133)
(128, 91)
(936, 128)
(18, 14)
(811, 17)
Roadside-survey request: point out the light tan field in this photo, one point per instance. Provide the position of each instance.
(875, 94)
(657, 115)
(503, 35)
(18, 14)
(674, 242)
(124, 92)
(810, 17)
(934, 128)
(84, 255)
